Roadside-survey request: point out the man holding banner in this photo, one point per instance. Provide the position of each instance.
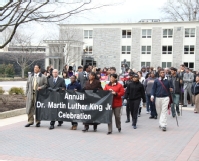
(35, 82)
(74, 85)
(56, 83)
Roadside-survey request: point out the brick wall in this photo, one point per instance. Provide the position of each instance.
(156, 46)
(178, 46)
(107, 47)
(135, 48)
(197, 49)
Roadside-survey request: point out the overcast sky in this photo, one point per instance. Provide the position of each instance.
(127, 11)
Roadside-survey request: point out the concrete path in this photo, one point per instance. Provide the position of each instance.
(147, 143)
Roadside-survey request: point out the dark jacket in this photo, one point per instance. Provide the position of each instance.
(60, 83)
(176, 84)
(127, 83)
(148, 84)
(95, 85)
(83, 78)
(195, 88)
(73, 86)
(135, 91)
(158, 90)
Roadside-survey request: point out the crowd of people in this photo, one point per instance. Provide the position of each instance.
(159, 90)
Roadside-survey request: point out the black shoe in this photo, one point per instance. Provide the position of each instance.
(155, 117)
(184, 105)
(164, 129)
(151, 117)
(38, 125)
(85, 129)
(192, 104)
(119, 129)
(108, 133)
(51, 127)
(95, 128)
(59, 124)
(174, 116)
(28, 125)
(127, 121)
(135, 127)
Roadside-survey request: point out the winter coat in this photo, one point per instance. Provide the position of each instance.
(117, 99)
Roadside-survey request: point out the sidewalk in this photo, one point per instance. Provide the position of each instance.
(147, 143)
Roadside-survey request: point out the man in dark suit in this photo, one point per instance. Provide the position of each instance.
(58, 83)
(83, 76)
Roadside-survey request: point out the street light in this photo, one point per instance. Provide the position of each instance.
(84, 57)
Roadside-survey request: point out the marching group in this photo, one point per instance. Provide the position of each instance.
(158, 90)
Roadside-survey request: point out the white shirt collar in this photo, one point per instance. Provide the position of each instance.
(36, 75)
(163, 79)
(55, 78)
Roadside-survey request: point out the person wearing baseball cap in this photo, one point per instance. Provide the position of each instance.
(126, 83)
(135, 92)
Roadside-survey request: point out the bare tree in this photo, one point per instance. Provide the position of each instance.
(15, 13)
(72, 36)
(67, 46)
(181, 10)
(23, 52)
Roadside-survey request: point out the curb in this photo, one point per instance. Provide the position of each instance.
(12, 113)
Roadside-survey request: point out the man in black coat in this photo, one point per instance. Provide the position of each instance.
(56, 83)
(177, 82)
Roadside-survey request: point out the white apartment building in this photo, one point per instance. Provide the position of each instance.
(146, 43)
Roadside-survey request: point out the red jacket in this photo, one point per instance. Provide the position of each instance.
(117, 99)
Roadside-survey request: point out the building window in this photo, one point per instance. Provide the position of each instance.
(166, 49)
(167, 33)
(145, 64)
(126, 49)
(88, 34)
(126, 33)
(166, 64)
(146, 33)
(190, 32)
(146, 49)
(189, 49)
(88, 50)
(189, 65)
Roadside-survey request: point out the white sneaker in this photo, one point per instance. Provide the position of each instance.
(147, 112)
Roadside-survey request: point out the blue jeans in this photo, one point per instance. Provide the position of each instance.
(152, 106)
(147, 103)
(176, 99)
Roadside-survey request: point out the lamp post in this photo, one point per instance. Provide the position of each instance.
(84, 57)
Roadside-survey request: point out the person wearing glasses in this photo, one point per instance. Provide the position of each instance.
(74, 85)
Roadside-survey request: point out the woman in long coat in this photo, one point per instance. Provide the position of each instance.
(92, 84)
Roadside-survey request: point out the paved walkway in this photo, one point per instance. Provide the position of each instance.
(147, 143)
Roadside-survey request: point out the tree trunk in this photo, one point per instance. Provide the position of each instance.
(22, 72)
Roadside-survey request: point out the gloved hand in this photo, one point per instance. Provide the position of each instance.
(95, 91)
(55, 90)
(50, 89)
